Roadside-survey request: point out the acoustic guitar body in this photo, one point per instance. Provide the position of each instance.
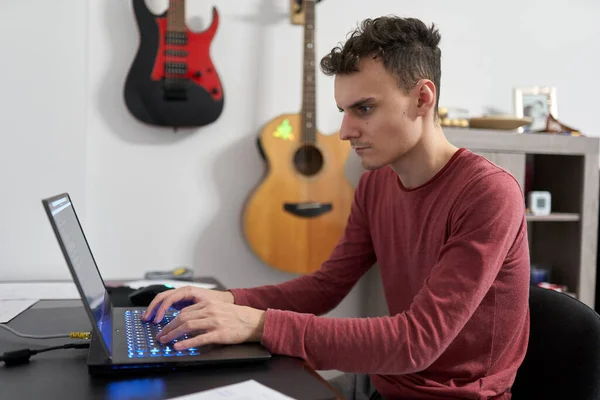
(294, 218)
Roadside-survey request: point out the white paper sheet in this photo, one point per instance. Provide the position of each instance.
(11, 308)
(38, 290)
(247, 390)
(169, 282)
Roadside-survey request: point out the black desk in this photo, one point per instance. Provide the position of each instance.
(62, 374)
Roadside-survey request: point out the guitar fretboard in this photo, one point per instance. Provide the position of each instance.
(176, 21)
(176, 69)
(309, 116)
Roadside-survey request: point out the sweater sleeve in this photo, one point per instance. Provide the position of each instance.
(487, 221)
(321, 291)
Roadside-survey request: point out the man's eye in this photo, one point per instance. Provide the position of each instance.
(364, 109)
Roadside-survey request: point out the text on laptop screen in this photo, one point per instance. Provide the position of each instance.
(84, 266)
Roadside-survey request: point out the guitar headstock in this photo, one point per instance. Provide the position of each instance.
(297, 11)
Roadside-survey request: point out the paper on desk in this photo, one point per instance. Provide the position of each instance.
(38, 290)
(11, 308)
(248, 390)
(168, 282)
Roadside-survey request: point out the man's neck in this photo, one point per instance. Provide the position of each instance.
(425, 159)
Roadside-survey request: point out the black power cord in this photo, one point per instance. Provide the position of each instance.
(22, 356)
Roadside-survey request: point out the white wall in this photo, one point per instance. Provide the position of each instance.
(42, 128)
(150, 198)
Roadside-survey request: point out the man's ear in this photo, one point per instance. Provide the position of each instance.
(426, 95)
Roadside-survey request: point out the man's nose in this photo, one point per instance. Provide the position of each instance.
(348, 129)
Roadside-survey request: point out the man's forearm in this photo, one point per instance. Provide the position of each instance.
(323, 290)
(314, 294)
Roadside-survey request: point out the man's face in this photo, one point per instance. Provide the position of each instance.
(380, 119)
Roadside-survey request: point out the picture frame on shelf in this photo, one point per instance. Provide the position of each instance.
(535, 102)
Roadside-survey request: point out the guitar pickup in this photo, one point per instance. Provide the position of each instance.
(172, 68)
(176, 38)
(176, 53)
(308, 209)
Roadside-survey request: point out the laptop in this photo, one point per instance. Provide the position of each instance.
(120, 339)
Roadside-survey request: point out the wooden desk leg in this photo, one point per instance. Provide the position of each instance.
(319, 377)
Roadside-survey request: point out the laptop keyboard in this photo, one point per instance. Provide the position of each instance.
(141, 337)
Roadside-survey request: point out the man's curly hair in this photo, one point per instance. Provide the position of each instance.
(406, 46)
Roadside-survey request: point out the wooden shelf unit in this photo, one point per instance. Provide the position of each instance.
(567, 167)
(554, 217)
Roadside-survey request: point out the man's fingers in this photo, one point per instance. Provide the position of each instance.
(198, 341)
(178, 321)
(154, 303)
(166, 304)
(174, 298)
(168, 301)
(176, 329)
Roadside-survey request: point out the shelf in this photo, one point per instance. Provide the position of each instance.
(553, 217)
(512, 141)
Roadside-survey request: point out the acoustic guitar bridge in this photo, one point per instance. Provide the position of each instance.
(307, 209)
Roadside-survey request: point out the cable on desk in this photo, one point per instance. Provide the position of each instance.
(72, 335)
(22, 356)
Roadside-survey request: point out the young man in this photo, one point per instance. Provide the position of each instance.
(446, 226)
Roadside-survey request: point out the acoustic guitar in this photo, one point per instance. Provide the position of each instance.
(294, 218)
(172, 80)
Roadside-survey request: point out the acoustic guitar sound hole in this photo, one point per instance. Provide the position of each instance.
(308, 160)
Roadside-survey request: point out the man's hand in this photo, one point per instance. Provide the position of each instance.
(182, 297)
(218, 322)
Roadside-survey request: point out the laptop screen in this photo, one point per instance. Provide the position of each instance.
(81, 264)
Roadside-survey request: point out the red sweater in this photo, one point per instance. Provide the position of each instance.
(454, 263)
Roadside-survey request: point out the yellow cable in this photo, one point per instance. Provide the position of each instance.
(80, 335)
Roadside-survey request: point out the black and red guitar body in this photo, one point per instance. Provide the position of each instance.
(172, 80)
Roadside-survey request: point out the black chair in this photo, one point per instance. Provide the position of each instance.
(563, 355)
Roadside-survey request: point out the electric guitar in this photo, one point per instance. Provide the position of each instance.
(296, 216)
(172, 81)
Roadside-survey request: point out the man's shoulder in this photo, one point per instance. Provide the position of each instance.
(486, 174)
(477, 173)
(488, 189)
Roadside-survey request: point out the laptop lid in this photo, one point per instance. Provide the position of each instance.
(83, 268)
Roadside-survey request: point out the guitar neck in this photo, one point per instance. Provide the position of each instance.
(176, 28)
(309, 131)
